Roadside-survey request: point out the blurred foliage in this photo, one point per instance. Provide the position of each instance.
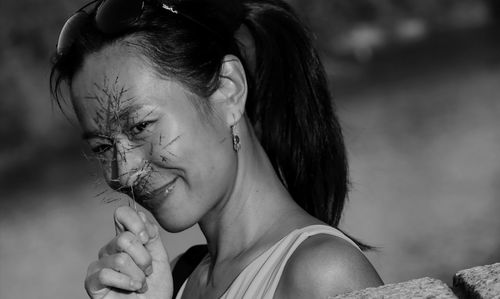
(29, 125)
(357, 28)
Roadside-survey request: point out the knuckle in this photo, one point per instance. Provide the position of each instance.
(124, 240)
(121, 260)
(103, 275)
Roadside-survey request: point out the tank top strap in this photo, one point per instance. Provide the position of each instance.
(303, 233)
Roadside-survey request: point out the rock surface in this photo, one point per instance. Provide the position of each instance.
(478, 282)
(424, 288)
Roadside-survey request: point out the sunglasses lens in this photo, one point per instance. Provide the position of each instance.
(70, 31)
(114, 15)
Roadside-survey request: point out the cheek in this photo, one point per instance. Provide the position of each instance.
(206, 158)
(212, 172)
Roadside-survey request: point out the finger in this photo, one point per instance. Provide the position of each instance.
(121, 263)
(124, 264)
(155, 245)
(107, 278)
(127, 219)
(128, 243)
(150, 228)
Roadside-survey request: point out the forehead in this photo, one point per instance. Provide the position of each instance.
(118, 78)
(112, 69)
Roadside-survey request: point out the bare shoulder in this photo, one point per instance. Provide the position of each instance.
(325, 265)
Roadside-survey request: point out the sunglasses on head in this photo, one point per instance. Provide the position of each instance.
(111, 16)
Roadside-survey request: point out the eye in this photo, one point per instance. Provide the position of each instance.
(140, 127)
(101, 149)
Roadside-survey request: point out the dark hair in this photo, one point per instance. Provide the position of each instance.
(288, 103)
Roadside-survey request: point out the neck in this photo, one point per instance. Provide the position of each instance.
(257, 202)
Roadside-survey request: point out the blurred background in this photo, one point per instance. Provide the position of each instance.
(417, 88)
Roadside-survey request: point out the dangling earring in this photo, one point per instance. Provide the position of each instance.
(236, 139)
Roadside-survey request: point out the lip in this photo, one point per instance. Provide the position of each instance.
(156, 197)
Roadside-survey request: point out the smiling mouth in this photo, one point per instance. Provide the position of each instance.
(157, 196)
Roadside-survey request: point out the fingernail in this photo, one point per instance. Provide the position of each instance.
(144, 237)
(144, 288)
(153, 231)
(135, 284)
(143, 217)
(149, 270)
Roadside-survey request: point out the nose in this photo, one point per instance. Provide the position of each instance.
(125, 165)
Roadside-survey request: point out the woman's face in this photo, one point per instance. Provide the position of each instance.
(151, 139)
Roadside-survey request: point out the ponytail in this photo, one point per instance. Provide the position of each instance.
(290, 105)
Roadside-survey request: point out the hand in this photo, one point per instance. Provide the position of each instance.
(134, 265)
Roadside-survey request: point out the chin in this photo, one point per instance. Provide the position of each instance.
(171, 223)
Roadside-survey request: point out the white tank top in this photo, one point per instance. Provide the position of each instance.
(261, 277)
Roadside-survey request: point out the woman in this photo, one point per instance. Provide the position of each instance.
(217, 113)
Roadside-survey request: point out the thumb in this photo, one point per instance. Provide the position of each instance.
(154, 244)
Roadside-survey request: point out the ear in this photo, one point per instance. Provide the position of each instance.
(230, 97)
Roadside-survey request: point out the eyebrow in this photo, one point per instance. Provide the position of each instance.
(91, 134)
(129, 109)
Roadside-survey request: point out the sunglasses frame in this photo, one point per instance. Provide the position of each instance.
(70, 31)
(72, 26)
